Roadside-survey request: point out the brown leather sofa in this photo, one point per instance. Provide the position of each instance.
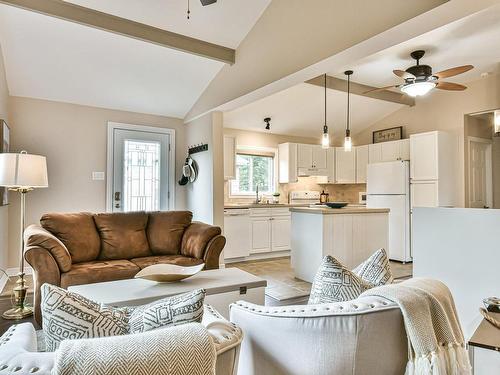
(82, 248)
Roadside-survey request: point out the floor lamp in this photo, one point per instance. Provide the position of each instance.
(22, 173)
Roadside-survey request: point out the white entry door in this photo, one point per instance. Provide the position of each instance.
(480, 173)
(139, 179)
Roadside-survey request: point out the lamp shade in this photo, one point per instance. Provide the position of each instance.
(23, 170)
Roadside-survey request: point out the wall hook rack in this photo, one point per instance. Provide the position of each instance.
(197, 148)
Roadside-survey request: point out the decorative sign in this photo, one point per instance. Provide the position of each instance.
(4, 147)
(385, 135)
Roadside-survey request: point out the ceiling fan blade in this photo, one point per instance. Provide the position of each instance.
(453, 71)
(450, 86)
(403, 74)
(381, 89)
(207, 2)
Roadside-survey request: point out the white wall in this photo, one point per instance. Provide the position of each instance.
(205, 197)
(4, 210)
(73, 138)
(460, 247)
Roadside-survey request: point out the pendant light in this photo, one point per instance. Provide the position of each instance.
(347, 139)
(325, 139)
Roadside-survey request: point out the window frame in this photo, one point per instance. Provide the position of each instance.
(257, 151)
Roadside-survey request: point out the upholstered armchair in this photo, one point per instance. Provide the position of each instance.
(83, 248)
(365, 336)
(21, 348)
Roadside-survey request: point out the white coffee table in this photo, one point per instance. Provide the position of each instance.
(223, 287)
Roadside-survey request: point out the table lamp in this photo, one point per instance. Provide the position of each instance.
(22, 173)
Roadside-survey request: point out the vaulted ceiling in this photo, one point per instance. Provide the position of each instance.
(53, 59)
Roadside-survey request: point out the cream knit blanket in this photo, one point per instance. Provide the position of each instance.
(435, 339)
(187, 349)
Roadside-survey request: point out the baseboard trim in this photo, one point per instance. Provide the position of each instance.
(15, 270)
(260, 256)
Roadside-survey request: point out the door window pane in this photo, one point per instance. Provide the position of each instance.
(141, 176)
(253, 170)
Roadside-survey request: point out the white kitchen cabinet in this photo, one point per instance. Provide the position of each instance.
(287, 170)
(433, 168)
(389, 151)
(229, 158)
(304, 156)
(345, 166)
(280, 232)
(361, 163)
(261, 234)
(237, 231)
(319, 157)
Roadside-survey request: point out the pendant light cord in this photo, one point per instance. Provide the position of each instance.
(325, 127)
(348, 96)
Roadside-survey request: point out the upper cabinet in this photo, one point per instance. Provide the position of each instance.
(361, 163)
(229, 158)
(389, 151)
(311, 160)
(287, 154)
(345, 166)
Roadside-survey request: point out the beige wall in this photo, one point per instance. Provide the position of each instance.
(205, 197)
(348, 193)
(73, 138)
(442, 110)
(4, 210)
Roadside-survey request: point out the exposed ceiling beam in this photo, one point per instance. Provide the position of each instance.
(107, 22)
(360, 89)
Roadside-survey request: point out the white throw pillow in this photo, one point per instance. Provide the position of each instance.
(376, 270)
(335, 283)
(170, 311)
(69, 316)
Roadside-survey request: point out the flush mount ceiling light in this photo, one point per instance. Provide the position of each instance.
(267, 120)
(419, 79)
(325, 138)
(347, 139)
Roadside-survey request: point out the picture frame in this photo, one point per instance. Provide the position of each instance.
(387, 135)
(4, 147)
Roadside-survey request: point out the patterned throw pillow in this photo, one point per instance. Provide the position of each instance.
(376, 269)
(171, 311)
(68, 316)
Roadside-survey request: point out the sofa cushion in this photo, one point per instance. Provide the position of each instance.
(98, 271)
(335, 283)
(167, 312)
(68, 316)
(178, 260)
(77, 232)
(165, 231)
(196, 238)
(123, 235)
(376, 269)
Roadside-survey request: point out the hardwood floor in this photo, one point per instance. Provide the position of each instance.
(6, 304)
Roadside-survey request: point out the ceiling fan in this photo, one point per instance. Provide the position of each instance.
(419, 79)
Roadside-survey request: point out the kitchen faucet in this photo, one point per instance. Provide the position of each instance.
(257, 200)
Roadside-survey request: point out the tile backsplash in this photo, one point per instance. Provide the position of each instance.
(337, 192)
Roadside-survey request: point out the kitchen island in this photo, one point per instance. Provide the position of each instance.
(350, 234)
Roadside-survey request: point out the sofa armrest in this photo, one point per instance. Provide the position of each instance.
(203, 241)
(45, 270)
(36, 236)
(18, 352)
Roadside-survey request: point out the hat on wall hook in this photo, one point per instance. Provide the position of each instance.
(267, 120)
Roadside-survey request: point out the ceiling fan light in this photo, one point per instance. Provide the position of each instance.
(418, 88)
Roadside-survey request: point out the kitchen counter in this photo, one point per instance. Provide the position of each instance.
(337, 211)
(229, 206)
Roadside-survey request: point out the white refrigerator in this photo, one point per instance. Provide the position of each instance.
(388, 186)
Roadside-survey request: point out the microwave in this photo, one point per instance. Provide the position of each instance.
(362, 197)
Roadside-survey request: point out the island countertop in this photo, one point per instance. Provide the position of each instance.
(338, 211)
